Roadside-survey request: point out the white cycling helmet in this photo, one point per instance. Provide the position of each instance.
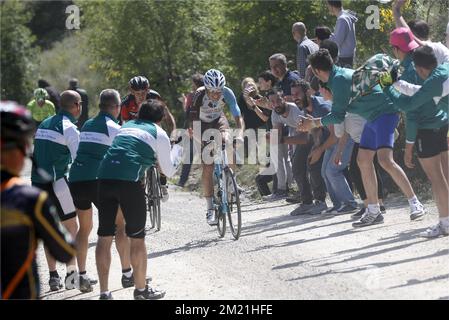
(214, 80)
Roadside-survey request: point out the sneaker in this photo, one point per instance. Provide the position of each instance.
(416, 210)
(276, 196)
(164, 191)
(106, 296)
(293, 199)
(55, 283)
(71, 281)
(127, 282)
(347, 208)
(85, 285)
(358, 215)
(148, 294)
(435, 231)
(302, 209)
(212, 220)
(368, 219)
(318, 207)
(362, 210)
(331, 211)
(92, 281)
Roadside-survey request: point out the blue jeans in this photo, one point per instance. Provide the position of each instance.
(334, 178)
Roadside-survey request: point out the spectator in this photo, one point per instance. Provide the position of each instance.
(322, 33)
(308, 158)
(420, 30)
(335, 162)
(332, 47)
(73, 85)
(305, 47)
(254, 117)
(278, 66)
(285, 114)
(53, 94)
(344, 33)
(266, 82)
(40, 107)
(197, 81)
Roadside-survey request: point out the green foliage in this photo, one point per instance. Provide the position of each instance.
(257, 29)
(169, 41)
(47, 21)
(59, 65)
(17, 54)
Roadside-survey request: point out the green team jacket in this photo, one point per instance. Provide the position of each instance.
(96, 137)
(135, 148)
(55, 146)
(428, 107)
(370, 106)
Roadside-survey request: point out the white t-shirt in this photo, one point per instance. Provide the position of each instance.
(291, 120)
(441, 51)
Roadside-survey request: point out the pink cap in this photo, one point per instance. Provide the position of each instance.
(403, 39)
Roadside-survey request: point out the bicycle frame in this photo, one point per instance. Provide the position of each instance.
(219, 169)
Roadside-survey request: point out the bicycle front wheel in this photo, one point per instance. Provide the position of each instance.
(218, 202)
(221, 225)
(156, 197)
(148, 197)
(234, 211)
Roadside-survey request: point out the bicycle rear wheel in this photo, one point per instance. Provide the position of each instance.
(156, 197)
(234, 211)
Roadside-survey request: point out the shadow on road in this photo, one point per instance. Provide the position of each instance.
(438, 253)
(187, 247)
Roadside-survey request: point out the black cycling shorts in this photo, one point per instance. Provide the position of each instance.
(431, 142)
(59, 193)
(130, 196)
(84, 193)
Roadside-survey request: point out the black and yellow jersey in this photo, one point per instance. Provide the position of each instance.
(26, 216)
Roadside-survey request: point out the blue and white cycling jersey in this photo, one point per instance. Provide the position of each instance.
(212, 110)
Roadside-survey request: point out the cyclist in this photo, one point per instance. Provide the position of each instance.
(96, 136)
(40, 107)
(136, 148)
(208, 107)
(27, 214)
(140, 91)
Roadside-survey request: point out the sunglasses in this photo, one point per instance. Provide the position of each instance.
(216, 91)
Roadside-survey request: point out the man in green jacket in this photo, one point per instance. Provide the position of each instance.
(135, 148)
(377, 136)
(427, 128)
(55, 145)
